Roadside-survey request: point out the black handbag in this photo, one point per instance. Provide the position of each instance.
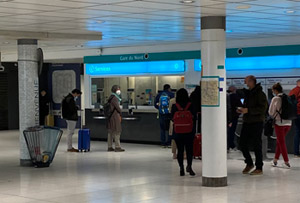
(269, 127)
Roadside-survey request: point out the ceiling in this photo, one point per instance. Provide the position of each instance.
(126, 23)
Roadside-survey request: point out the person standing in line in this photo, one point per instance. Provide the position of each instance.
(196, 102)
(70, 114)
(254, 110)
(162, 102)
(235, 102)
(44, 106)
(282, 126)
(114, 126)
(296, 92)
(171, 130)
(184, 141)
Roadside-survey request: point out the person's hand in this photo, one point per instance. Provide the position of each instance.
(120, 118)
(230, 125)
(242, 110)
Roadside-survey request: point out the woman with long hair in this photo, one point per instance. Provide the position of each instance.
(184, 141)
(282, 126)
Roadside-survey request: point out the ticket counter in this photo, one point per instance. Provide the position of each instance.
(140, 82)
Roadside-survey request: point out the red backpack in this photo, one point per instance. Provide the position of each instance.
(183, 119)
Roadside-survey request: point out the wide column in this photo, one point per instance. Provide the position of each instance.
(28, 92)
(213, 87)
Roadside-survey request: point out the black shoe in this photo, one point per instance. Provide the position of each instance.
(182, 171)
(190, 170)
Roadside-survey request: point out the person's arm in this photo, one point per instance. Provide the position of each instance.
(293, 92)
(273, 107)
(71, 105)
(261, 106)
(116, 105)
(157, 101)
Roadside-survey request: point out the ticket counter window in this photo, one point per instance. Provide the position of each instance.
(137, 91)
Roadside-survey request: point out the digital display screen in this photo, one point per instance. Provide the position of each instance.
(136, 68)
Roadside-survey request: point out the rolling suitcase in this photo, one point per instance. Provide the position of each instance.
(197, 153)
(197, 146)
(49, 119)
(84, 138)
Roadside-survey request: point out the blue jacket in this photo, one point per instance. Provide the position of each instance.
(170, 94)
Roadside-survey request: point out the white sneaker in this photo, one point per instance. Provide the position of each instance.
(286, 166)
(274, 164)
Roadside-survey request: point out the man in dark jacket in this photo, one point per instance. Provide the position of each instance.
(69, 113)
(254, 110)
(162, 101)
(235, 102)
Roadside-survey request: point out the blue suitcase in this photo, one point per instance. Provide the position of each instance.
(84, 140)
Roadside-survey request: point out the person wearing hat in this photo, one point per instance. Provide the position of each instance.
(114, 121)
(69, 113)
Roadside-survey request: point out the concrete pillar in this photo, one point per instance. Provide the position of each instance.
(213, 85)
(28, 92)
(191, 77)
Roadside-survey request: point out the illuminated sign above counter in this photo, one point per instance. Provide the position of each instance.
(136, 68)
(258, 63)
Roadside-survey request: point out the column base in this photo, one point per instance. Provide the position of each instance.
(214, 182)
(26, 162)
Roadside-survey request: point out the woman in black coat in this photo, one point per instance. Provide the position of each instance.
(184, 140)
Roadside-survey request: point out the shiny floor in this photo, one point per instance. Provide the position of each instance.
(144, 173)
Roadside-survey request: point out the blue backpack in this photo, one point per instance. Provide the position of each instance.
(164, 102)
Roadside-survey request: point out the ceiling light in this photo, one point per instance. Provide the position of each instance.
(228, 31)
(290, 12)
(187, 1)
(5, 42)
(100, 21)
(243, 7)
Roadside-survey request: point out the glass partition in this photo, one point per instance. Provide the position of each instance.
(136, 91)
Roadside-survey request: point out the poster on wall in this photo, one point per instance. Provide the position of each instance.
(63, 82)
(210, 94)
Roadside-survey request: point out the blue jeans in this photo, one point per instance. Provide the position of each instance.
(164, 121)
(297, 136)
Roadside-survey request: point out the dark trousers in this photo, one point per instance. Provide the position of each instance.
(297, 136)
(184, 141)
(251, 134)
(42, 118)
(164, 122)
(231, 134)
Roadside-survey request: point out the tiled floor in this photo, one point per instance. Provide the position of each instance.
(142, 174)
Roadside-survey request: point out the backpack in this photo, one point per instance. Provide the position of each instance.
(164, 102)
(108, 112)
(288, 107)
(183, 119)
